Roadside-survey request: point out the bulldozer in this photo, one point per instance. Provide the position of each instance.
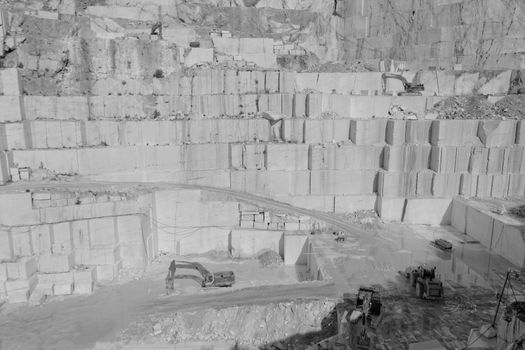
(413, 88)
(209, 279)
(423, 278)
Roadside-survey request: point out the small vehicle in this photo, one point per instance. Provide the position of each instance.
(209, 279)
(442, 244)
(340, 236)
(423, 278)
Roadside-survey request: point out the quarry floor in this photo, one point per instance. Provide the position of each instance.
(374, 259)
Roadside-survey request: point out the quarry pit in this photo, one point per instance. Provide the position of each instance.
(313, 148)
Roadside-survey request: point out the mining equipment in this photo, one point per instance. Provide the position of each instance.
(423, 278)
(209, 279)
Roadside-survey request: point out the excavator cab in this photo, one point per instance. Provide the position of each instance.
(413, 88)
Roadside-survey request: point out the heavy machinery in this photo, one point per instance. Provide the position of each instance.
(425, 281)
(340, 236)
(368, 310)
(209, 279)
(363, 340)
(368, 302)
(411, 89)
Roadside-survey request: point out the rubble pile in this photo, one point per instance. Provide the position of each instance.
(252, 327)
(352, 66)
(479, 107)
(270, 259)
(511, 106)
(367, 218)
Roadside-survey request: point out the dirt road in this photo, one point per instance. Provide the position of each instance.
(243, 196)
(80, 322)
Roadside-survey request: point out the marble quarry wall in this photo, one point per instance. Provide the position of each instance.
(327, 151)
(283, 99)
(66, 241)
(486, 34)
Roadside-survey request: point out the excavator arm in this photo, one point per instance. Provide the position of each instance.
(207, 276)
(412, 88)
(209, 279)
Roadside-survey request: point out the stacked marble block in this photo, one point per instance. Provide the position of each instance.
(67, 255)
(444, 158)
(18, 279)
(48, 268)
(431, 37)
(11, 108)
(58, 275)
(91, 242)
(499, 233)
(253, 217)
(35, 278)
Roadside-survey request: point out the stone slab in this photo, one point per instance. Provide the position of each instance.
(459, 215)
(97, 256)
(293, 130)
(202, 240)
(323, 203)
(495, 133)
(102, 232)
(454, 133)
(391, 209)
(368, 132)
(350, 204)
(11, 109)
(295, 248)
(343, 182)
(446, 184)
(479, 226)
(250, 243)
(396, 132)
(428, 211)
(55, 263)
(286, 157)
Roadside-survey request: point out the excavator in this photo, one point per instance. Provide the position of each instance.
(209, 279)
(411, 89)
(425, 281)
